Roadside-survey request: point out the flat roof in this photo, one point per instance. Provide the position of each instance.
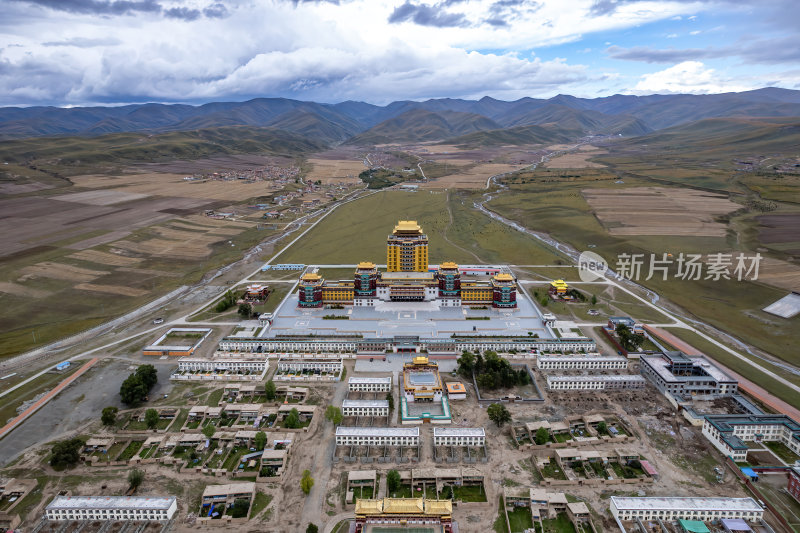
(459, 432)
(111, 502)
(685, 503)
(406, 275)
(625, 377)
(350, 431)
(232, 488)
(660, 363)
(581, 358)
(358, 379)
(366, 403)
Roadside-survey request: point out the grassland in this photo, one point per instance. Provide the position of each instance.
(552, 201)
(357, 232)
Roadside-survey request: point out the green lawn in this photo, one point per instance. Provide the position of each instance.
(520, 519)
(560, 524)
(500, 524)
(214, 398)
(471, 237)
(469, 493)
(131, 450)
(553, 471)
(261, 501)
(780, 449)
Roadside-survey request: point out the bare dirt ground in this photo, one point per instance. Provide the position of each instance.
(111, 289)
(335, 170)
(215, 164)
(22, 290)
(192, 193)
(659, 211)
(63, 271)
(473, 178)
(105, 258)
(777, 273)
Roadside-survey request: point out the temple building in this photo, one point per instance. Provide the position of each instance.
(408, 278)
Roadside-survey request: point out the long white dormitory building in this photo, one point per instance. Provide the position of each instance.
(376, 436)
(632, 381)
(221, 363)
(310, 365)
(365, 407)
(364, 384)
(704, 509)
(581, 362)
(111, 508)
(459, 437)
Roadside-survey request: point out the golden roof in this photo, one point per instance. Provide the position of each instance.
(558, 283)
(504, 277)
(366, 264)
(408, 226)
(311, 277)
(368, 507)
(403, 506)
(421, 360)
(439, 507)
(456, 386)
(448, 264)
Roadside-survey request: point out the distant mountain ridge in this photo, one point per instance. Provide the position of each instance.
(410, 121)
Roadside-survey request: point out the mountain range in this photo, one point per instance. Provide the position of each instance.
(472, 122)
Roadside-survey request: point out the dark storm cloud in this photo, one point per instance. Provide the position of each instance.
(769, 51)
(428, 15)
(128, 7)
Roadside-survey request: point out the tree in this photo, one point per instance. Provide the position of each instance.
(245, 310)
(292, 420)
(334, 414)
(260, 440)
(542, 436)
(306, 482)
(151, 418)
(498, 414)
(109, 415)
(148, 374)
(390, 399)
(594, 299)
(269, 390)
(312, 528)
(66, 453)
(132, 391)
(392, 481)
(228, 301)
(466, 364)
(602, 428)
(135, 478)
(209, 430)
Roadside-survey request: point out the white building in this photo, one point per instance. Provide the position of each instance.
(111, 508)
(678, 374)
(703, 509)
(629, 381)
(365, 407)
(728, 433)
(459, 437)
(221, 364)
(333, 366)
(365, 384)
(377, 436)
(581, 362)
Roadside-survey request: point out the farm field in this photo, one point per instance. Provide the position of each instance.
(455, 231)
(553, 202)
(659, 211)
(335, 170)
(577, 159)
(469, 178)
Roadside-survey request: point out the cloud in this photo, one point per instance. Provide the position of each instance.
(427, 15)
(128, 7)
(83, 42)
(690, 77)
(769, 51)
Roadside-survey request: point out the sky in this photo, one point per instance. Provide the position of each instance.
(108, 52)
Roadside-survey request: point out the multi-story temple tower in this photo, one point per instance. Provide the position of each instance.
(407, 248)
